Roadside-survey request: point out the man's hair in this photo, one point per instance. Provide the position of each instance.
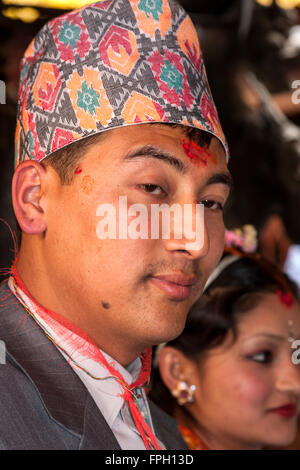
(65, 160)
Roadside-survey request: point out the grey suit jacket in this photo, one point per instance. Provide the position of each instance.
(43, 403)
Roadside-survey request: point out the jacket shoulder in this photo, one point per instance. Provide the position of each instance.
(24, 420)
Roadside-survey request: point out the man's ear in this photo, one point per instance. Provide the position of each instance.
(172, 367)
(28, 188)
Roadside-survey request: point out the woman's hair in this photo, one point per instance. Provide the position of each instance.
(239, 288)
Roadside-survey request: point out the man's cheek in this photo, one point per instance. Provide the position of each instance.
(217, 239)
(87, 184)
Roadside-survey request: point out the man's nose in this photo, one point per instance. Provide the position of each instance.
(189, 235)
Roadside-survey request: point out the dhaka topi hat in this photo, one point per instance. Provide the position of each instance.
(111, 64)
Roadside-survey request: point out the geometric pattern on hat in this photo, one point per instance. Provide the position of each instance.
(111, 64)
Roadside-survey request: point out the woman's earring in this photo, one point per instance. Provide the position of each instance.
(184, 393)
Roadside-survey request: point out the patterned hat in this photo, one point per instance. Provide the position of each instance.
(111, 64)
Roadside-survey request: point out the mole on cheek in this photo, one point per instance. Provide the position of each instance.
(106, 305)
(87, 184)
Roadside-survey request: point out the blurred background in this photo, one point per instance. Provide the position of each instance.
(252, 54)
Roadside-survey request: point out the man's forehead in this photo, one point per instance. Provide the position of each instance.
(154, 145)
(151, 133)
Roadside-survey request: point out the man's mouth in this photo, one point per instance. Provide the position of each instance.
(176, 285)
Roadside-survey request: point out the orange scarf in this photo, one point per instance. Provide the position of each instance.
(191, 438)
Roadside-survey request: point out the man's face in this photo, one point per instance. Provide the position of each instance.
(133, 293)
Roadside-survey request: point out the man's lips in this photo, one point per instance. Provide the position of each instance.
(176, 285)
(289, 410)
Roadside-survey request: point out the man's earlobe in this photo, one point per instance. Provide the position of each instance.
(27, 191)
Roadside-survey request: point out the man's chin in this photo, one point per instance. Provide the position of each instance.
(167, 331)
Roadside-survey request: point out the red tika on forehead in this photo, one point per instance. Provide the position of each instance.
(197, 153)
(285, 298)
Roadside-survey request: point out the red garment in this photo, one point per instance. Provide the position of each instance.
(191, 438)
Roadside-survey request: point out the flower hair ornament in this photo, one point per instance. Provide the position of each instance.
(243, 238)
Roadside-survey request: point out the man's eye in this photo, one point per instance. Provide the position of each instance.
(152, 189)
(264, 357)
(213, 205)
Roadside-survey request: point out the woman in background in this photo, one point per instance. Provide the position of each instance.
(232, 378)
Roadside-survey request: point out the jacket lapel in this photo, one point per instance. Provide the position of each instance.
(96, 434)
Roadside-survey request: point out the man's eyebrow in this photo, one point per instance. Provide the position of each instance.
(220, 178)
(148, 151)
